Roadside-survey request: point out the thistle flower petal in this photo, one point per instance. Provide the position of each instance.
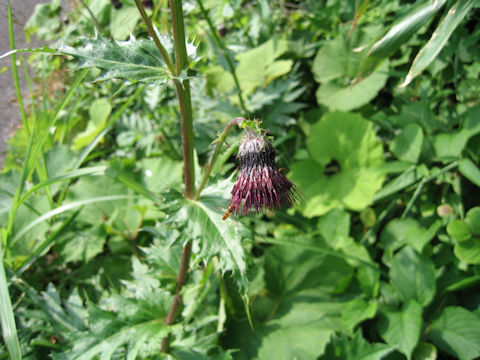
(260, 183)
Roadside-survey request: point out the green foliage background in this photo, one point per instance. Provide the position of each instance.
(375, 111)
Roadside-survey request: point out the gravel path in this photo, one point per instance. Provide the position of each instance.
(9, 113)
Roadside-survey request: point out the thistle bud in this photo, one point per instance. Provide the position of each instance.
(260, 183)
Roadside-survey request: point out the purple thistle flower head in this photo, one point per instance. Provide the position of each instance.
(260, 183)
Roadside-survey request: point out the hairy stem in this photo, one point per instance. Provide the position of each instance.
(185, 103)
(219, 141)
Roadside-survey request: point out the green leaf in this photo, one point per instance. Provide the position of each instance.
(123, 21)
(399, 33)
(425, 351)
(132, 325)
(133, 60)
(356, 311)
(408, 144)
(258, 67)
(472, 219)
(457, 332)
(293, 268)
(392, 235)
(7, 317)
(402, 328)
(297, 322)
(440, 36)
(450, 145)
(468, 251)
(470, 171)
(99, 112)
(342, 348)
(335, 66)
(413, 276)
(347, 140)
(212, 235)
(459, 230)
(84, 245)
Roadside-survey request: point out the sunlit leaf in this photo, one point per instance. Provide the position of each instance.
(133, 60)
(442, 33)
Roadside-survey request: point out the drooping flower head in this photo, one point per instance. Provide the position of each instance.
(260, 183)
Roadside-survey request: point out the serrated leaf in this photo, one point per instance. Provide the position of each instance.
(402, 328)
(442, 33)
(413, 276)
(457, 332)
(84, 245)
(212, 235)
(133, 60)
(132, 326)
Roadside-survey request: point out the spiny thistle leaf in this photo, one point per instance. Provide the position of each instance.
(133, 60)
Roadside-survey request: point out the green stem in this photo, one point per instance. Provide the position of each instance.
(154, 36)
(16, 80)
(222, 47)
(219, 142)
(185, 103)
(420, 187)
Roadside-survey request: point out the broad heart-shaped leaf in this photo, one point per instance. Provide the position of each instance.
(258, 67)
(413, 276)
(402, 328)
(457, 332)
(357, 348)
(133, 60)
(337, 64)
(349, 141)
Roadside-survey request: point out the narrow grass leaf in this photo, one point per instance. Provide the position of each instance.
(63, 209)
(439, 38)
(400, 32)
(9, 329)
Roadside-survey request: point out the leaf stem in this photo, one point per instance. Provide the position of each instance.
(154, 36)
(219, 143)
(222, 47)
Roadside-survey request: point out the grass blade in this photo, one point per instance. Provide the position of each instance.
(9, 329)
(439, 38)
(46, 243)
(64, 208)
(400, 32)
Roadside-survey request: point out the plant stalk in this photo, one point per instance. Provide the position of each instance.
(219, 141)
(185, 104)
(154, 36)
